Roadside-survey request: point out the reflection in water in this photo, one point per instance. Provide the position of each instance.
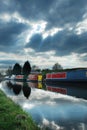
(9, 84)
(26, 89)
(18, 86)
(38, 85)
(57, 89)
(53, 110)
(80, 92)
(33, 84)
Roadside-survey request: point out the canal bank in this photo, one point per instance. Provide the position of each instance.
(13, 117)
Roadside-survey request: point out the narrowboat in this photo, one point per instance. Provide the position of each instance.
(19, 77)
(34, 77)
(76, 76)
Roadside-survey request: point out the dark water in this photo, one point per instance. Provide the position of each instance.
(52, 106)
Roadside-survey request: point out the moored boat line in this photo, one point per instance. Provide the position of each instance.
(35, 77)
(72, 76)
(76, 76)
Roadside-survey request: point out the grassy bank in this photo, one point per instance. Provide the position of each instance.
(12, 117)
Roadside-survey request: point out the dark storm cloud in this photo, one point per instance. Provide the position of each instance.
(56, 13)
(33, 9)
(7, 63)
(66, 12)
(35, 42)
(76, 43)
(7, 6)
(63, 43)
(9, 33)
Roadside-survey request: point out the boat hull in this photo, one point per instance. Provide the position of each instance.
(77, 77)
(67, 82)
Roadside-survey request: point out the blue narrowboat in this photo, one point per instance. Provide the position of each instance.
(77, 76)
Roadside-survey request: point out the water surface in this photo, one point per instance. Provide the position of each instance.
(63, 109)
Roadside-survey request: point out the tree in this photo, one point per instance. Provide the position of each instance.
(35, 68)
(17, 69)
(26, 68)
(57, 66)
(9, 71)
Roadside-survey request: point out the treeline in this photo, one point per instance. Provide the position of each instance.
(26, 69)
(19, 70)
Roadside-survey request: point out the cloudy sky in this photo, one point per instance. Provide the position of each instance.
(43, 32)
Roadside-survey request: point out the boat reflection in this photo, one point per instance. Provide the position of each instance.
(38, 85)
(57, 89)
(79, 92)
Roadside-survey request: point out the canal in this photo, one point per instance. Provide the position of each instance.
(55, 107)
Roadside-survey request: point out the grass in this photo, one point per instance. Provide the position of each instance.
(12, 117)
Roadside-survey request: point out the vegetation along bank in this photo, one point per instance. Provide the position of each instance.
(12, 117)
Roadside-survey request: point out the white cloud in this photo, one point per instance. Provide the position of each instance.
(39, 26)
(28, 106)
(50, 124)
(5, 17)
(81, 27)
(51, 32)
